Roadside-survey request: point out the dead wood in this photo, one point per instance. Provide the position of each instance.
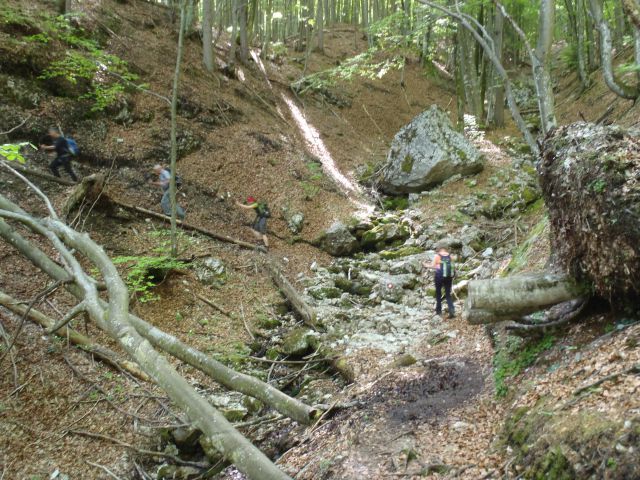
(188, 226)
(35, 173)
(103, 353)
(298, 304)
(557, 316)
(88, 189)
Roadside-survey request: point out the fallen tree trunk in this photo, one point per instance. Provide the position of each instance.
(589, 176)
(231, 379)
(298, 304)
(113, 318)
(103, 353)
(188, 226)
(512, 297)
(31, 172)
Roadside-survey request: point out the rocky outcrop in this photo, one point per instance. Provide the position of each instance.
(338, 241)
(426, 152)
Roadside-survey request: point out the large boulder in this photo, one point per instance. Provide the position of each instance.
(426, 152)
(338, 241)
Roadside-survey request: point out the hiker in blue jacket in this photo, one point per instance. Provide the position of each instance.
(164, 177)
(60, 145)
(443, 266)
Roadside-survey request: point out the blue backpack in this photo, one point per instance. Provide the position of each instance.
(72, 146)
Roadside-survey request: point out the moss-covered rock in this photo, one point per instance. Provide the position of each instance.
(298, 342)
(383, 234)
(400, 252)
(320, 293)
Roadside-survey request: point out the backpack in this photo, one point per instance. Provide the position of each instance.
(263, 210)
(446, 266)
(178, 178)
(72, 146)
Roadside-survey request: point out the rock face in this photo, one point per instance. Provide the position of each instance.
(338, 241)
(426, 152)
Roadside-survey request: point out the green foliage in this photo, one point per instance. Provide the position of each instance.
(514, 357)
(106, 75)
(144, 273)
(395, 203)
(598, 186)
(13, 151)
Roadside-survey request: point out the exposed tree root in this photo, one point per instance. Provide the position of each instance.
(557, 316)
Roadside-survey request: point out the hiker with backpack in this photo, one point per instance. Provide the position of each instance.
(64, 149)
(262, 214)
(164, 177)
(444, 272)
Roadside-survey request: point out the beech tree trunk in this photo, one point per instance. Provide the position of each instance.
(495, 109)
(98, 351)
(298, 304)
(229, 378)
(542, 67)
(207, 35)
(512, 297)
(606, 56)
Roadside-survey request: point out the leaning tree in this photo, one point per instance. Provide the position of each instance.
(106, 303)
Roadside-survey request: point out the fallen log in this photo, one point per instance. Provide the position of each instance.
(103, 353)
(508, 298)
(31, 172)
(188, 226)
(220, 373)
(298, 304)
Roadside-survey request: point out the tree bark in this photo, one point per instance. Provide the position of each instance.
(188, 226)
(174, 128)
(103, 353)
(512, 297)
(542, 67)
(207, 35)
(113, 318)
(606, 59)
(298, 304)
(580, 45)
(484, 39)
(495, 110)
(234, 31)
(319, 26)
(244, 42)
(89, 188)
(632, 9)
(229, 378)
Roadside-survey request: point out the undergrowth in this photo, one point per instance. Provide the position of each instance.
(514, 357)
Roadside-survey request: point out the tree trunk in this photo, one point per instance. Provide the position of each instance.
(495, 109)
(103, 353)
(512, 297)
(606, 59)
(207, 35)
(580, 45)
(542, 68)
(234, 31)
(174, 129)
(113, 318)
(306, 313)
(244, 43)
(320, 26)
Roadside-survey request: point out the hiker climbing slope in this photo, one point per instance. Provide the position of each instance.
(164, 177)
(64, 149)
(262, 214)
